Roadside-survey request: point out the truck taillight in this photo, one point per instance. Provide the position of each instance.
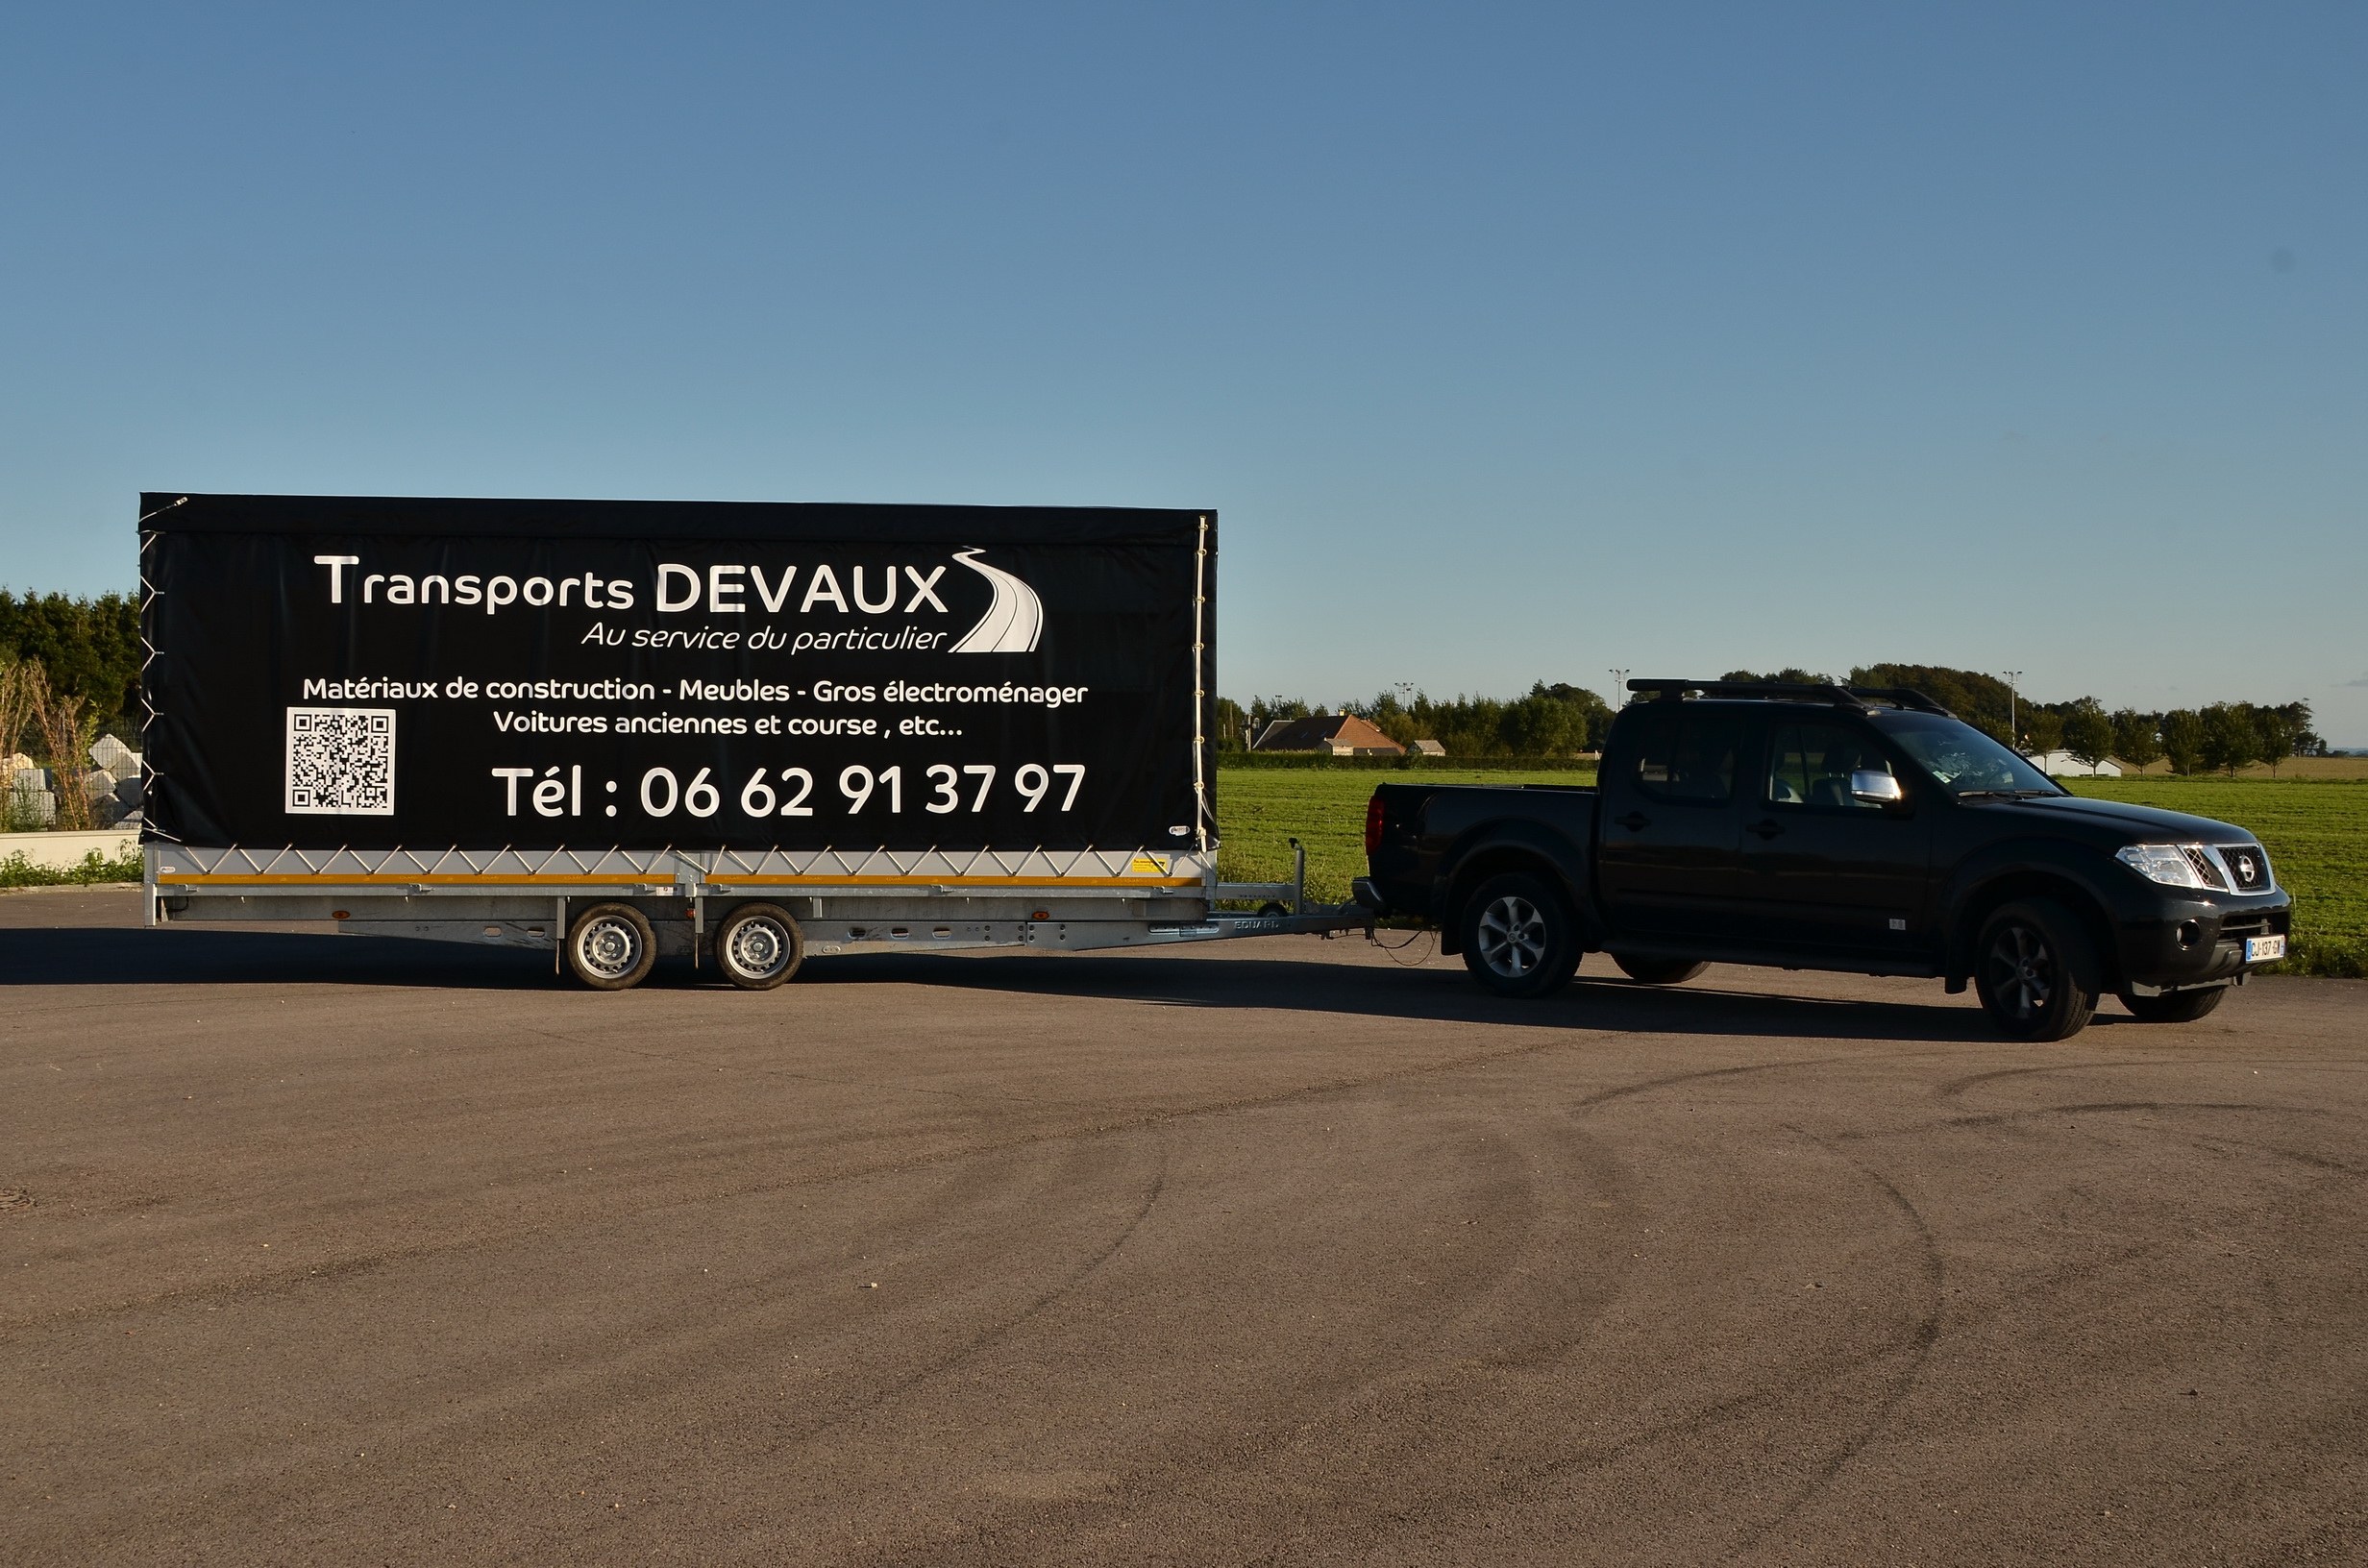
(1372, 825)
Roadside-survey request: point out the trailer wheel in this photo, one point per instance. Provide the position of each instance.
(1520, 937)
(758, 946)
(610, 946)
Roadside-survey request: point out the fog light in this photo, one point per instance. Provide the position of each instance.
(2189, 933)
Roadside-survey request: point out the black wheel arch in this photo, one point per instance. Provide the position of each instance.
(1513, 853)
(1974, 904)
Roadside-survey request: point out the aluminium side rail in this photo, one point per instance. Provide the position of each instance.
(869, 902)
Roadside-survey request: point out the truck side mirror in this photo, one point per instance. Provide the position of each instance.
(1873, 787)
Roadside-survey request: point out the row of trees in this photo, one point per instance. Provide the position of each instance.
(1560, 720)
(2223, 736)
(69, 671)
(1554, 721)
(86, 648)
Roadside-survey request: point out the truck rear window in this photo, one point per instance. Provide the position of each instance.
(1690, 759)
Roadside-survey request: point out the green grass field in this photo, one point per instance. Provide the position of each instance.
(2315, 830)
(1259, 811)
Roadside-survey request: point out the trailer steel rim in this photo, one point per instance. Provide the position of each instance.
(609, 946)
(758, 947)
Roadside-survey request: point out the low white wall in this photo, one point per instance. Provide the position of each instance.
(63, 849)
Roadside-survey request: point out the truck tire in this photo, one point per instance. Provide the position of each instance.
(1658, 972)
(1521, 936)
(758, 946)
(610, 946)
(2179, 1007)
(2036, 971)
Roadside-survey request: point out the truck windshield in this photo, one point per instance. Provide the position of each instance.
(1964, 760)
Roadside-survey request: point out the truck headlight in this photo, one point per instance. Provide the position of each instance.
(2169, 863)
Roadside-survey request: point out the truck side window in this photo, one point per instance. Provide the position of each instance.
(1809, 765)
(1686, 759)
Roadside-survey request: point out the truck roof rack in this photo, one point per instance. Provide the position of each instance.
(1860, 699)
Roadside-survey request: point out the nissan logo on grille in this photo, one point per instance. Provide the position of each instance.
(2246, 868)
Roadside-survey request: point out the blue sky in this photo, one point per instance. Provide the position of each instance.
(1510, 342)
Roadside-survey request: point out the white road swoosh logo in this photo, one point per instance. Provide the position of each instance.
(1012, 624)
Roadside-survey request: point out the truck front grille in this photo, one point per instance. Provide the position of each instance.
(2248, 867)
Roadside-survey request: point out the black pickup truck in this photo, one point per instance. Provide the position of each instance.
(1829, 827)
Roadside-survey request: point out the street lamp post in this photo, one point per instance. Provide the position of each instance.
(2014, 727)
(1619, 688)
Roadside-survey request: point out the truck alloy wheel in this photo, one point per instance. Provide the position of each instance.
(758, 946)
(2176, 1007)
(2036, 971)
(610, 946)
(1519, 938)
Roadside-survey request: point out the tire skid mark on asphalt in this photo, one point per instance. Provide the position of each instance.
(761, 1070)
(1436, 1383)
(2100, 1108)
(1417, 1359)
(1922, 1336)
(279, 1280)
(2314, 1162)
(2063, 1275)
(1647, 1085)
(1433, 1380)
(1916, 1341)
(1007, 1326)
(1957, 1089)
(641, 1362)
(1428, 1379)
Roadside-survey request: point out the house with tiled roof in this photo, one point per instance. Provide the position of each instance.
(1342, 734)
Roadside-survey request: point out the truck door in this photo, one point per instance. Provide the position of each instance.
(1827, 869)
(1666, 856)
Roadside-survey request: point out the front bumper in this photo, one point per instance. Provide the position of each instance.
(2199, 939)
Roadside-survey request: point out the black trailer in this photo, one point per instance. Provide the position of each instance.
(743, 731)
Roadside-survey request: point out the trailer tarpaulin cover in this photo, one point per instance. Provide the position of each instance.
(374, 673)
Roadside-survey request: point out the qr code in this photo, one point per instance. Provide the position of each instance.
(341, 762)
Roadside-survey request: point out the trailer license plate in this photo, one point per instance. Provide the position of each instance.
(2262, 949)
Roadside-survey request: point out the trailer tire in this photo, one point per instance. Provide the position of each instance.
(612, 947)
(759, 947)
(1521, 936)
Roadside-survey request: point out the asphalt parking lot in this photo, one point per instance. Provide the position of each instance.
(341, 1250)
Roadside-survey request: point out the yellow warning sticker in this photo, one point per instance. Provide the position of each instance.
(1148, 866)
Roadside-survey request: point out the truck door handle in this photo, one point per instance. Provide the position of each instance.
(1768, 829)
(1634, 821)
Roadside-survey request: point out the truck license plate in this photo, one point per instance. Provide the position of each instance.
(2262, 949)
